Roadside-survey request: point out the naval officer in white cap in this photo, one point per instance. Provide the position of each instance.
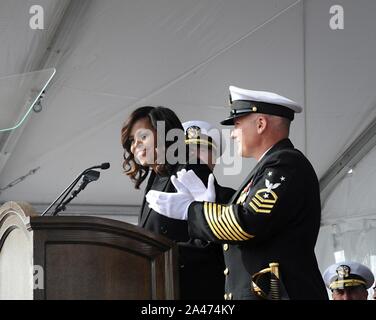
(348, 280)
(203, 141)
(203, 261)
(205, 145)
(269, 228)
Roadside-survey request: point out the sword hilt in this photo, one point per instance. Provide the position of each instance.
(275, 292)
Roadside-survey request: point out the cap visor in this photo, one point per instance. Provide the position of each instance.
(228, 122)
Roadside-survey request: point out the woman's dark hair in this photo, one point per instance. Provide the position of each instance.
(135, 171)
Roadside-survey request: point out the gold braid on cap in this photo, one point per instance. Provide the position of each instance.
(338, 284)
(345, 279)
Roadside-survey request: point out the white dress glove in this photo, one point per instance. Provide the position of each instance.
(172, 205)
(196, 187)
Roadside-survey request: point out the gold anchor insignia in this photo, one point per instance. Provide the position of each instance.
(343, 271)
(193, 132)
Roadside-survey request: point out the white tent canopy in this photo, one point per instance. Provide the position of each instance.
(113, 56)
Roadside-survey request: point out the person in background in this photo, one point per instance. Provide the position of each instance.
(204, 146)
(204, 142)
(348, 280)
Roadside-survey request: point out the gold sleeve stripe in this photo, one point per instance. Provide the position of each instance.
(219, 225)
(209, 221)
(227, 218)
(257, 209)
(232, 215)
(230, 226)
(214, 223)
(222, 220)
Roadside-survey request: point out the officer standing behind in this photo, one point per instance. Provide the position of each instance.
(348, 280)
(272, 221)
(203, 261)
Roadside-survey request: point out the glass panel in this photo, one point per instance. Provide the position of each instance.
(18, 95)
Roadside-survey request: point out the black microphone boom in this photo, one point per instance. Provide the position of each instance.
(89, 176)
(67, 190)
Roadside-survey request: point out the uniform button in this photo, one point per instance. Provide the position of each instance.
(229, 296)
(225, 247)
(181, 266)
(226, 271)
(163, 230)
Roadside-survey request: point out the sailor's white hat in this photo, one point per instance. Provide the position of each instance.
(243, 101)
(348, 274)
(202, 133)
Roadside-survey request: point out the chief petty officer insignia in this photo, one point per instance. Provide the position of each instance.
(264, 199)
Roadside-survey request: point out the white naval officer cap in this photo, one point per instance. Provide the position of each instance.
(202, 133)
(348, 274)
(243, 101)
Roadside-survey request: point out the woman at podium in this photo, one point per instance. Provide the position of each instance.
(155, 148)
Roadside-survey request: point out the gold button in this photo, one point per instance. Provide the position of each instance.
(226, 297)
(226, 271)
(229, 296)
(225, 247)
(254, 109)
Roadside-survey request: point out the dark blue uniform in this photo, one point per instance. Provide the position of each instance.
(274, 217)
(201, 263)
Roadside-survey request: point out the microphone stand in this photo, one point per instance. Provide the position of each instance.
(89, 176)
(68, 189)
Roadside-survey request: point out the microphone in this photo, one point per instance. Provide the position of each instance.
(103, 166)
(67, 190)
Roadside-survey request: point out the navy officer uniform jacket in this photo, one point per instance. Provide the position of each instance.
(201, 263)
(273, 217)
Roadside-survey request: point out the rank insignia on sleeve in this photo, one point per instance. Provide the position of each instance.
(264, 199)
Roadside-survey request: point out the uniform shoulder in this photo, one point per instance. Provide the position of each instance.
(291, 155)
(289, 160)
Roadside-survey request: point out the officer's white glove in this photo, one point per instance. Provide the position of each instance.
(196, 187)
(172, 205)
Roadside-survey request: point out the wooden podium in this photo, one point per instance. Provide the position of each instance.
(73, 257)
